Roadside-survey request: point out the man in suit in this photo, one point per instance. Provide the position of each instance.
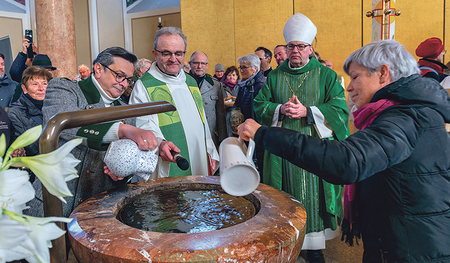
(113, 70)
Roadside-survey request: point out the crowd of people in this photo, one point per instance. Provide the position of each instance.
(396, 166)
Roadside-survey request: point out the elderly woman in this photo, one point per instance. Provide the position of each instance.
(230, 92)
(399, 160)
(26, 112)
(252, 81)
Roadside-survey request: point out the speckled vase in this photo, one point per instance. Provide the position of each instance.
(124, 157)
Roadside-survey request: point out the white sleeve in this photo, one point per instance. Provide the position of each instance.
(276, 117)
(112, 134)
(323, 128)
(148, 122)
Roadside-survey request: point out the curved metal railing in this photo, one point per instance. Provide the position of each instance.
(49, 142)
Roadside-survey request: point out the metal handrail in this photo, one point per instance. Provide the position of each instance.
(48, 142)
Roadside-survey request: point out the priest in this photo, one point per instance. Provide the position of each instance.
(187, 127)
(303, 95)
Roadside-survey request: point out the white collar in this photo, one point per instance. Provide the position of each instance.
(105, 97)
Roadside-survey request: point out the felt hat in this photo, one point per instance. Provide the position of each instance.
(42, 60)
(430, 48)
(219, 67)
(299, 28)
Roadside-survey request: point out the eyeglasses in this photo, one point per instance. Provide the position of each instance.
(119, 77)
(244, 67)
(199, 63)
(263, 58)
(300, 47)
(444, 52)
(168, 54)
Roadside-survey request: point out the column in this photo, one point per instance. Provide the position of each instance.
(56, 35)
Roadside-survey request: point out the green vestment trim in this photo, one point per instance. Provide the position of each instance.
(321, 88)
(170, 122)
(92, 95)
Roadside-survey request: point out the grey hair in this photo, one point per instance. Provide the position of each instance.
(141, 63)
(170, 31)
(106, 57)
(82, 66)
(196, 52)
(253, 59)
(376, 54)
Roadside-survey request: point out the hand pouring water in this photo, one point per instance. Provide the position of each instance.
(238, 174)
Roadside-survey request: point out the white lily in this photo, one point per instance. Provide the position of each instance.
(15, 190)
(13, 235)
(27, 138)
(53, 169)
(34, 247)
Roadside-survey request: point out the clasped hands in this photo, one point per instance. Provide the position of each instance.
(145, 140)
(293, 108)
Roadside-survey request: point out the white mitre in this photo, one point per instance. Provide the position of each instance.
(299, 28)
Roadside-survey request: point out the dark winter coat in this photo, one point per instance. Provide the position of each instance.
(402, 161)
(24, 115)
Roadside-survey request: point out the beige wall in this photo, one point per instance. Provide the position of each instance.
(226, 30)
(110, 24)
(13, 28)
(82, 33)
(144, 30)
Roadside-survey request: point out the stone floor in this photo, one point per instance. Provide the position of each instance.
(336, 252)
(339, 252)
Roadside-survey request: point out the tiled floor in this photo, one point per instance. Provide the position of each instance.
(336, 252)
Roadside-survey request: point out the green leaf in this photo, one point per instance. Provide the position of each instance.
(2, 144)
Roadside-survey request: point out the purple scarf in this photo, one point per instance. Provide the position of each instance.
(351, 223)
(229, 84)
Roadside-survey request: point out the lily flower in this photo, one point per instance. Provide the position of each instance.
(53, 169)
(13, 235)
(15, 190)
(25, 139)
(34, 248)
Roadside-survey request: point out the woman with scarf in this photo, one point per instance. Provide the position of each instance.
(398, 163)
(230, 80)
(252, 81)
(26, 112)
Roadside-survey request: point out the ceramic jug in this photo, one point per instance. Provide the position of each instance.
(238, 174)
(124, 158)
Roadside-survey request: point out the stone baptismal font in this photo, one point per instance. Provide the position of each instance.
(187, 219)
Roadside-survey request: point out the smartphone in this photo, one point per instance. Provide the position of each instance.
(29, 36)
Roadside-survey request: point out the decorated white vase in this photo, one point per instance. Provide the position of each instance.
(124, 158)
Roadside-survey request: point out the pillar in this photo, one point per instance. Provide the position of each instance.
(55, 28)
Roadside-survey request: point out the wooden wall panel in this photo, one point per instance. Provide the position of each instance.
(144, 30)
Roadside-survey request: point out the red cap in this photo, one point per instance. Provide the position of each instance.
(430, 48)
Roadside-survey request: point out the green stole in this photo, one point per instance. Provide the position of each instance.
(170, 122)
(93, 96)
(280, 173)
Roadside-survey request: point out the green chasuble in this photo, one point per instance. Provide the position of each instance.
(314, 85)
(170, 122)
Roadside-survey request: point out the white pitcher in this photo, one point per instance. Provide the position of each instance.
(238, 174)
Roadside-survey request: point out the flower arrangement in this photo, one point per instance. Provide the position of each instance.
(27, 237)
